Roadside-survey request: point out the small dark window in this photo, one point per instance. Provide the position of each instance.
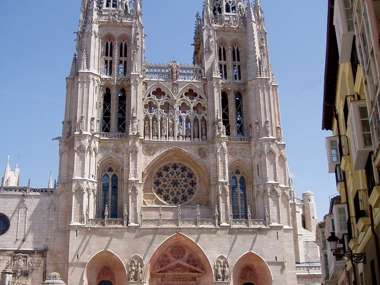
(303, 221)
(370, 175)
(106, 122)
(345, 112)
(239, 115)
(354, 59)
(105, 283)
(4, 224)
(122, 112)
(226, 113)
(111, 3)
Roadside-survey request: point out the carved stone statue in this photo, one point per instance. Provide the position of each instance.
(225, 271)
(171, 128)
(147, 128)
(136, 269)
(132, 270)
(155, 128)
(222, 269)
(218, 271)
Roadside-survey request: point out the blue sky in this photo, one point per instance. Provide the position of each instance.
(37, 47)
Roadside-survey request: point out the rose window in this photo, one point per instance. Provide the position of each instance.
(175, 184)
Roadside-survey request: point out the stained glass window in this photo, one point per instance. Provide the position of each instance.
(175, 184)
(110, 193)
(239, 196)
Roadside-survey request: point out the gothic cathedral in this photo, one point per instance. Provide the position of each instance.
(169, 174)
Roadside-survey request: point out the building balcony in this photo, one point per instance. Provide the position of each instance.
(363, 224)
(374, 199)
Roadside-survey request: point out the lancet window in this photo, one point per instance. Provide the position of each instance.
(106, 116)
(122, 111)
(236, 66)
(239, 115)
(230, 6)
(169, 118)
(222, 56)
(239, 196)
(108, 58)
(123, 58)
(109, 194)
(111, 3)
(218, 7)
(226, 113)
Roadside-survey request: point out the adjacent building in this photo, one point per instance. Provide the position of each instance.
(349, 111)
(168, 174)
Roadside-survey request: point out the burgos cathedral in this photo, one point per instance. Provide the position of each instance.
(169, 174)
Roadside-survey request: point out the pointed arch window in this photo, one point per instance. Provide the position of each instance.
(231, 6)
(222, 56)
(236, 66)
(239, 115)
(123, 58)
(122, 112)
(110, 193)
(106, 117)
(108, 58)
(239, 196)
(111, 4)
(217, 9)
(226, 113)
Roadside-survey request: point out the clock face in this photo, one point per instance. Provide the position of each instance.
(4, 224)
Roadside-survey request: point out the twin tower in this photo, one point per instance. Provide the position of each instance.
(174, 174)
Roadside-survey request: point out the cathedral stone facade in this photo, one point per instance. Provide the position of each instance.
(168, 174)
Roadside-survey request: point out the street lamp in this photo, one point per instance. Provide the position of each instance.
(340, 250)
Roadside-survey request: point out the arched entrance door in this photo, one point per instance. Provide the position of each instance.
(105, 268)
(252, 270)
(179, 261)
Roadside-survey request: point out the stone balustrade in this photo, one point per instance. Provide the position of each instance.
(173, 71)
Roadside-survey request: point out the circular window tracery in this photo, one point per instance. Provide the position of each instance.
(4, 224)
(175, 184)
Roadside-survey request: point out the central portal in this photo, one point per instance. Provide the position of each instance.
(179, 262)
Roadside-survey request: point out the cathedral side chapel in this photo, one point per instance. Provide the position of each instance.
(168, 174)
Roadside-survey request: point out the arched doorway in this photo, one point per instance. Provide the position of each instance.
(105, 268)
(105, 283)
(251, 270)
(179, 261)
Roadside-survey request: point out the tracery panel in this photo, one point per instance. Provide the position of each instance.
(175, 184)
(180, 118)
